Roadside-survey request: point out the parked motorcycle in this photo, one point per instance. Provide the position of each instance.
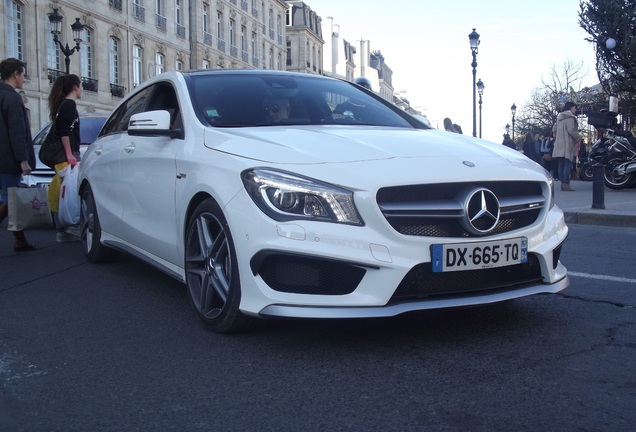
(597, 154)
(615, 149)
(620, 162)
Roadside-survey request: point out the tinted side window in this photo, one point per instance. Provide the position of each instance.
(118, 121)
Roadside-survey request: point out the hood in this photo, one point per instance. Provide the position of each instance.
(565, 115)
(338, 144)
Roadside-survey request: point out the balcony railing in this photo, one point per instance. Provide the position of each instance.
(245, 56)
(90, 84)
(220, 44)
(244, 5)
(255, 61)
(161, 22)
(115, 4)
(264, 29)
(117, 90)
(272, 36)
(280, 39)
(53, 74)
(233, 51)
(181, 31)
(139, 12)
(255, 12)
(207, 38)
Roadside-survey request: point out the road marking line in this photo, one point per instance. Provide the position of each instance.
(602, 277)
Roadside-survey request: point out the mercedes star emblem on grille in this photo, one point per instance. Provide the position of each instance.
(482, 211)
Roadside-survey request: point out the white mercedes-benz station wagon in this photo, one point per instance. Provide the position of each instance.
(276, 194)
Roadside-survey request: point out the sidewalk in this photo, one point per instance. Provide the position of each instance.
(620, 205)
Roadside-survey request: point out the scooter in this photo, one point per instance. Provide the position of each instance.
(597, 154)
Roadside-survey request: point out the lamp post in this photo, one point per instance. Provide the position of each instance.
(474, 47)
(480, 90)
(513, 110)
(56, 28)
(507, 129)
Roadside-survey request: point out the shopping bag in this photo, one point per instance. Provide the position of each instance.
(69, 205)
(28, 208)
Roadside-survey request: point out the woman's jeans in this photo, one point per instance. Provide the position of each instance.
(565, 170)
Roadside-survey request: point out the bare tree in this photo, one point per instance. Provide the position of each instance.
(557, 87)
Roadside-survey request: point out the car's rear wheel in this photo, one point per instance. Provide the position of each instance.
(211, 268)
(91, 230)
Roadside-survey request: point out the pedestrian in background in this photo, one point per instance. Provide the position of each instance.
(17, 157)
(508, 142)
(449, 126)
(529, 148)
(566, 132)
(63, 111)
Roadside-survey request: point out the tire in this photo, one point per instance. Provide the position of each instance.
(91, 230)
(211, 271)
(587, 172)
(617, 182)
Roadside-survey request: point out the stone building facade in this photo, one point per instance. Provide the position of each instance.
(128, 41)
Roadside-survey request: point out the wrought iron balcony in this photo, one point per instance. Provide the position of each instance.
(161, 22)
(52, 74)
(255, 12)
(90, 84)
(139, 12)
(255, 61)
(117, 90)
(244, 5)
(233, 51)
(245, 56)
(220, 44)
(181, 31)
(115, 4)
(272, 35)
(207, 38)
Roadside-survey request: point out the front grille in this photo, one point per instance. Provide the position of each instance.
(438, 210)
(422, 282)
(306, 275)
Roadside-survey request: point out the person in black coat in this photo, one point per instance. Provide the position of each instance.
(529, 148)
(17, 157)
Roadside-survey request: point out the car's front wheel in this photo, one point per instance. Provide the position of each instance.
(211, 268)
(91, 230)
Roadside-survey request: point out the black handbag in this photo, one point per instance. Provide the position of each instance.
(52, 150)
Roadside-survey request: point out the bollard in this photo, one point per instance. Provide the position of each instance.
(598, 186)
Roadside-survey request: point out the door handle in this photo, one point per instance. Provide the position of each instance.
(129, 148)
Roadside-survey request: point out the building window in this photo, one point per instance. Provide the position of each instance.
(179, 65)
(232, 33)
(15, 44)
(271, 58)
(139, 12)
(243, 38)
(206, 64)
(113, 60)
(159, 63)
(159, 7)
(289, 54)
(86, 54)
(137, 65)
(53, 60)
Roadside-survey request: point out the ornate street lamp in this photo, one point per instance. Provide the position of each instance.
(507, 129)
(474, 47)
(56, 29)
(513, 110)
(480, 90)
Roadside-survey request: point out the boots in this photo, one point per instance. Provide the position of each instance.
(20, 243)
(566, 187)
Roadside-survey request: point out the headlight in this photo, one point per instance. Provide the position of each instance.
(285, 196)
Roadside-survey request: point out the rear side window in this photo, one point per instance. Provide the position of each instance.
(118, 121)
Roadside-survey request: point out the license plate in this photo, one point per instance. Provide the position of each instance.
(480, 255)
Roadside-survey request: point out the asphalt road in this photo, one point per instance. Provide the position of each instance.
(116, 347)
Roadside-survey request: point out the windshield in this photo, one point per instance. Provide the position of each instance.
(268, 100)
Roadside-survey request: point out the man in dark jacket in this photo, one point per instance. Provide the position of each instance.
(16, 146)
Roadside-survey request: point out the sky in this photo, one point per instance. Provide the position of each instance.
(426, 46)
